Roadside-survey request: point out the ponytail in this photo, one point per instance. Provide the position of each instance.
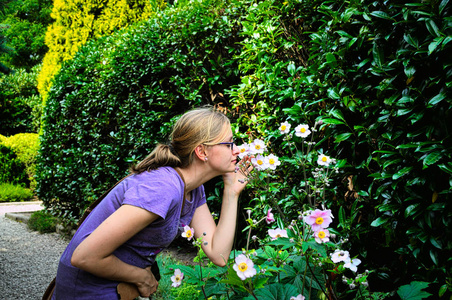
(198, 126)
(162, 155)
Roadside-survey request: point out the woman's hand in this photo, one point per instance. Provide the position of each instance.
(149, 285)
(236, 181)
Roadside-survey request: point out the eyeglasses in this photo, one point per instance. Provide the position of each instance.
(230, 144)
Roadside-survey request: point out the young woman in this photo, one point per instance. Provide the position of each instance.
(120, 238)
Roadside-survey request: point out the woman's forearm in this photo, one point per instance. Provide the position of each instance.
(223, 238)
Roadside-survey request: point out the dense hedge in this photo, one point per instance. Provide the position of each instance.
(114, 101)
(12, 170)
(379, 76)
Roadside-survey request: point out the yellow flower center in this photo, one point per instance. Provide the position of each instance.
(324, 159)
(188, 233)
(278, 235)
(242, 150)
(178, 278)
(283, 127)
(319, 220)
(257, 147)
(321, 234)
(303, 130)
(243, 266)
(259, 162)
(271, 161)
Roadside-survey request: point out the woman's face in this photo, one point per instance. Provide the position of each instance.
(221, 156)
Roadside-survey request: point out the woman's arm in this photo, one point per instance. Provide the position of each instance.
(94, 254)
(220, 237)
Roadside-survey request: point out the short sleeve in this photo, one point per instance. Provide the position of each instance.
(158, 194)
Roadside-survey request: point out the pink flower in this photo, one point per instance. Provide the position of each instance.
(299, 297)
(340, 255)
(257, 147)
(244, 267)
(177, 278)
(188, 232)
(244, 150)
(277, 233)
(322, 236)
(319, 219)
(270, 218)
(259, 162)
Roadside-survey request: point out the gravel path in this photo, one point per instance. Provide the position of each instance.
(28, 260)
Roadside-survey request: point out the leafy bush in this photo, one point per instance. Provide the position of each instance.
(14, 193)
(116, 99)
(42, 221)
(12, 170)
(20, 102)
(78, 21)
(379, 76)
(25, 146)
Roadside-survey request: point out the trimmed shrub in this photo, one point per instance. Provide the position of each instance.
(20, 102)
(12, 170)
(42, 221)
(14, 193)
(117, 98)
(77, 21)
(25, 146)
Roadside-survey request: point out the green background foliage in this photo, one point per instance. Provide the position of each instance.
(115, 100)
(377, 74)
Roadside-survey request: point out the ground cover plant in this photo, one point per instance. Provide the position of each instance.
(373, 78)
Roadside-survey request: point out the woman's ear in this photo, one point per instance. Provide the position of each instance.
(200, 152)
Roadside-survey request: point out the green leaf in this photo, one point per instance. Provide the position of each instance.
(432, 158)
(378, 54)
(381, 14)
(379, 221)
(412, 41)
(413, 291)
(433, 45)
(277, 291)
(342, 137)
(432, 28)
(435, 100)
(402, 172)
(333, 94)
(332, 121)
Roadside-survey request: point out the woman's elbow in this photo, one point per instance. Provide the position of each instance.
(79, 260)
(220, 262)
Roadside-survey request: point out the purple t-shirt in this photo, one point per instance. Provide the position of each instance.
(160, 192)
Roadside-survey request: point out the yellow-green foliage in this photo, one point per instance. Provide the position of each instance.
(77, 21)
(25, 146)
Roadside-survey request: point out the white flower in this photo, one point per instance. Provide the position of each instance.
(273, 161)
(340, 255)
(260, 163)
(188, 232)
(244, 150)
(324, 160)
(352, 264)
(284, 127)
(244, 267)
(177, 278)
(322, 236)
(302, 130)
(257, 147)
(299, 297)
(277, 233)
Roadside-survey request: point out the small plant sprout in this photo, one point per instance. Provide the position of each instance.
(244, 267)
(177, 278)
(188, 232)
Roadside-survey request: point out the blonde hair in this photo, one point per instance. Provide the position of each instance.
(198, 126)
